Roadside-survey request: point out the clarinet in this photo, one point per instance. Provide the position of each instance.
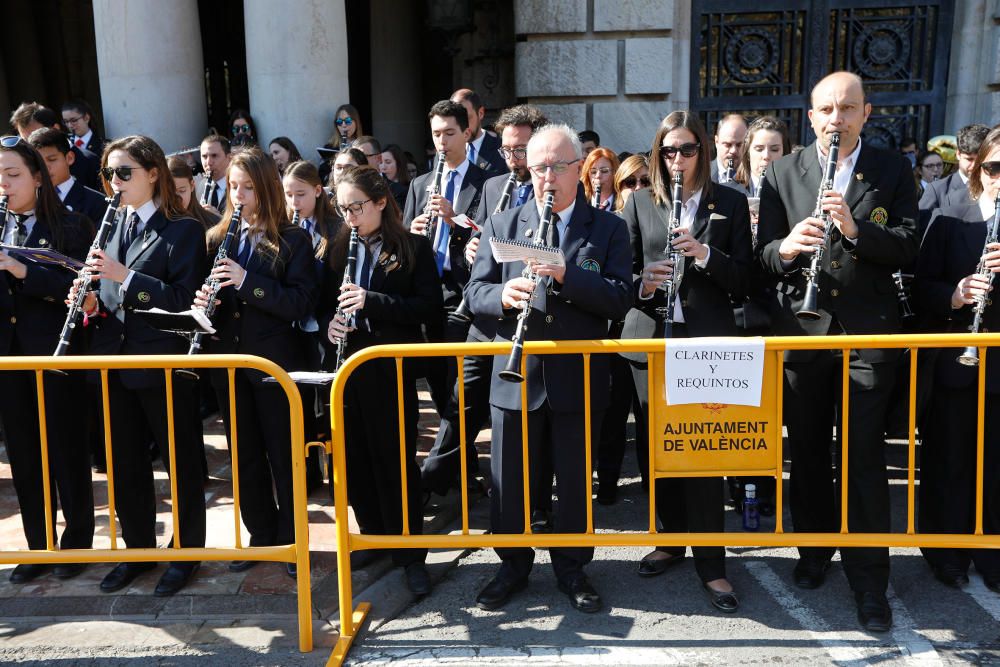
(85, 274)
(903, 295)
(349, 270)
(672, 284)
(296, 217)
(433, 188)
(512, 372)
(206, 195)
(730, 169)
(213, 283)
(970, 356)
(344, 145)
(810, 308)
(3, 215)
(597, 192)
(462, 312)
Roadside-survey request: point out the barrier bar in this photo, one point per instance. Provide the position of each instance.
(109, 462)
(172, 453)
(912, 447)
(843, 432)
(462, 456)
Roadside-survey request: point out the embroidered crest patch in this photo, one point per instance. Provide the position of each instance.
(879, 216)
(590, 264)
(258, 292)
(143, 296)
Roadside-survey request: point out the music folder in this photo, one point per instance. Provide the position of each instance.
(42, 256)
(327, 153)
(187, 322)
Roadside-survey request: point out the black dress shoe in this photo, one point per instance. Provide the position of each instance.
(810, 573)
(651, 567)
(418, 581)
(68, 570)
(499, 591)
(123, 574)
(292, 570)
(242, 565)
(26, 572)
(950, 575)
(581, 594)
(725, 601)
(874, 613)
(541, 521)
(175, 578)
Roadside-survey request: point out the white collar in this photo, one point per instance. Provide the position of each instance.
(145, 211)
(477, 143)
(221, 182)
(86, 138)
(64, 187)
(986, 206)
(844, 162)
(565, 215)
(462, 169)
(965, 179)
(695, 199)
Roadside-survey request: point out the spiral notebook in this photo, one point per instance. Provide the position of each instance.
(507, 250)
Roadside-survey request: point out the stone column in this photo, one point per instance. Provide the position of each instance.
(974, 70)
(296, 68)
(151, 70)
(612, 66)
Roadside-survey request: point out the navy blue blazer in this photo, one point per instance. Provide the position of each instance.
(597, 288)
(90, 203)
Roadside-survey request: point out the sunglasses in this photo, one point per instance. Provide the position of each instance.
(10, 141)
(344, 121)
(992, 169)
(687, 150)
(630, 181)
(123, 173)
(241, 128)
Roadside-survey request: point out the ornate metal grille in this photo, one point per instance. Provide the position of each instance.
(766, 60)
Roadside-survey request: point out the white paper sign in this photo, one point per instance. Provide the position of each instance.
(714, 370)
(505, 250)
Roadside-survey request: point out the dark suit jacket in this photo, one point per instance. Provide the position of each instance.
(397, 303)
(85, 166)
(597, 288)
(950, 252)
(170, 265)
(488, 158)
(468, 202)
(259, 317)
(96, 144)
(398, 192)
(32, 310)
(90, 203)
(855, 280)
(722, 222)
(948, 191)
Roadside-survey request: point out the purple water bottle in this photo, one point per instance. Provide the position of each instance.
(751, 518)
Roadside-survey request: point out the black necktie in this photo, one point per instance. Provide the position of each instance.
(21, 235)
(215, 195)
(131, 231)
(245, 247)
(366, 268)
(553, 236)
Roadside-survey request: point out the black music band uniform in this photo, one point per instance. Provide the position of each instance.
(722, 222)
(597, 288)
(857, 296)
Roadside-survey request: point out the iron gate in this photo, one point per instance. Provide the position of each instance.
(759, 61)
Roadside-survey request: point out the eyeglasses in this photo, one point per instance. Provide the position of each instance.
(372, 154)
(10, 141)
(123, 173)
(516, 153)
(602, 171)
(354, 208)
(344, 121)
(70, 121)
(992, 169)
(687, 150)
(558, 167)
(241, 128)
(630, 181)
(933, 167)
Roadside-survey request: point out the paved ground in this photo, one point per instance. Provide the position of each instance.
(249, 619)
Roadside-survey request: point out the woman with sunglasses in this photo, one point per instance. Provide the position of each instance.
(242, 130)
(268, 283)
(394, 291)
(600, 166)
(32, 316)
(154, 258)
(632, 175)
(346, 128)
(946, 285)
(714, 238)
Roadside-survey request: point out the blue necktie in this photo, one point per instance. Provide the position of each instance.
(131, 229)
(470, 152)
(441, 248)
(523, 192)
(245, 247)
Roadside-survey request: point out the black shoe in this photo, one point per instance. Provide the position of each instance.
(499, 591)
(362, 558)
(541, 521)
(292, 570)
(724, 601)
(607, 493)
(874, 613)
(950, 575)
(123, 574)
(651, 567)
(26, 572)
(175, 578)
(810, 572)
(581, 594)
(242, 565)
(68, 570)
(418, 581)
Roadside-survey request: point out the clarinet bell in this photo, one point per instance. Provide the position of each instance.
(512, 372)
(809, 310)
(510, 375)
(969, 357)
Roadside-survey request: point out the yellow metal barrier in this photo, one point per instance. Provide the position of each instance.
(297, 553)
(352, 618)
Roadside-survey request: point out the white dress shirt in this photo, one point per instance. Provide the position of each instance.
(63, 188)
(461, 171)
(145, 212)
(845, 167)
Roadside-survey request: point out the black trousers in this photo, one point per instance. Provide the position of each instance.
(948, 475)
(812, 396)
(135, 415)
(562, 435)
(69, 456)
(374, 484)
(264, 448)
(686, 504)
(611, 451)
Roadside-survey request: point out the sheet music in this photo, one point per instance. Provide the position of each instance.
(506, 250)
(307, 377)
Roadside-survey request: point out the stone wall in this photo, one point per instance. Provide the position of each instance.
(613, 66)
(974, 70)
